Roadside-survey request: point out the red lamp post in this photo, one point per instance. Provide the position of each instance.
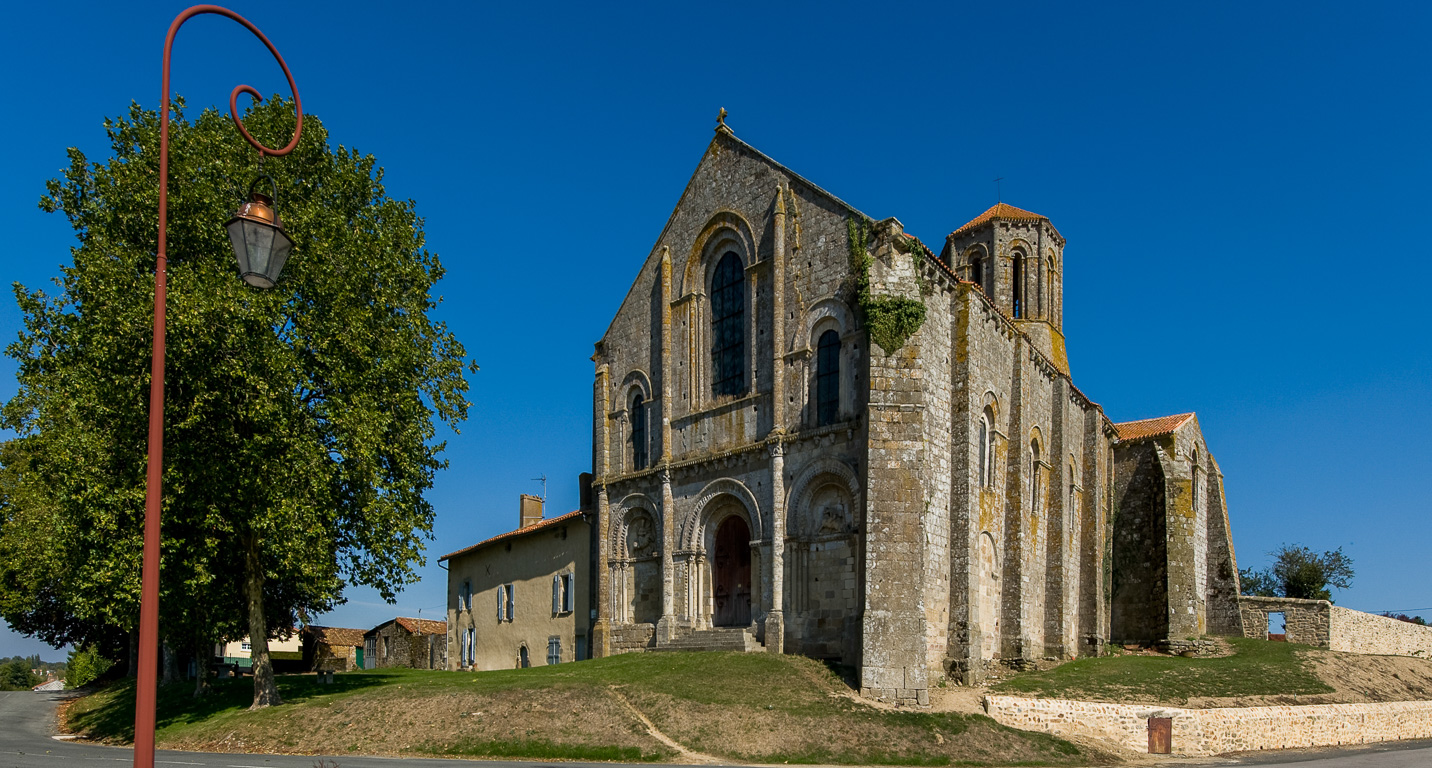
(256, 231)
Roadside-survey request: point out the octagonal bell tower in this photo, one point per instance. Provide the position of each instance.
(1017, 258)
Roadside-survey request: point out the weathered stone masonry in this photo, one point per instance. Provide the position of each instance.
(921, 511)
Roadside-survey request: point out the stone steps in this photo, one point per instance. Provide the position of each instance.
(720, 639)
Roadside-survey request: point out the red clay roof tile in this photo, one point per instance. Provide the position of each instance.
(1146, 428)
(1000, 211)
(422, 626)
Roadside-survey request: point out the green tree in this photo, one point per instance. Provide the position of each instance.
(84, 665)
(15, 676)
(1299, 572)
(300, 422)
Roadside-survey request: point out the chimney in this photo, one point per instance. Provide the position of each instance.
(529, 510)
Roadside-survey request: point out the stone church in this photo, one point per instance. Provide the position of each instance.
(814, 434)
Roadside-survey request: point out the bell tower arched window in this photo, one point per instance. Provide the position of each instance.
(986, 449)
(638, 432)
(1017, 291)
(827, 379)
(728, 327)
(977, 272)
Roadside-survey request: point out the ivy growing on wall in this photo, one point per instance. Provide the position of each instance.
(891, 320)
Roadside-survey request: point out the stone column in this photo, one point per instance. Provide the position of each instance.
(775, 618)
(602, 627)
(666, 627)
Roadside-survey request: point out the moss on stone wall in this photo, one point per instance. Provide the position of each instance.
(891, 320)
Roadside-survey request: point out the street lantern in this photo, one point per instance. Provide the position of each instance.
(260, 244)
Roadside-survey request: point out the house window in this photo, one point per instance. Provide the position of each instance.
(728, 327)
(464, 598)
(504, 602)
(827, 378)
(562, 593)
(246, 646)
(638, 432)
(554, 649)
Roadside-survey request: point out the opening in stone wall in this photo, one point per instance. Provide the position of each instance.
(1277, 627)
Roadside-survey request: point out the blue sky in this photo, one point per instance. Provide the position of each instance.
(1240, 185)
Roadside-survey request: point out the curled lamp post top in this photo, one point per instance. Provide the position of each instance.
(199, 10)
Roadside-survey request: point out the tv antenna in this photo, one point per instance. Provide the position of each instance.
(998, 190)
(543, 478)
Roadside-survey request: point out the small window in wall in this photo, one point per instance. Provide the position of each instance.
(464, 597)
(638, 432)
(977, 272)
(523, 662)
(1277, 627)
(827, 378)
(246, 646)
(554, 649)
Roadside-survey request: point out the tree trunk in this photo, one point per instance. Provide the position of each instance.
(265, 691)
(203, 656)
(170, 665)
(134, 653)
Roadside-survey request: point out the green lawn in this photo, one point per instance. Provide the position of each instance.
(741, 707)
(1257, 668)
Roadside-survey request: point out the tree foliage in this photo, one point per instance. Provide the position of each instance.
(84, 666)
(300, 422)
(1299, 572)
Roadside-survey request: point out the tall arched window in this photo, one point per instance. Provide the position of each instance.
(1034, 476)
(977, 272)
(728, 327)
(986, 449)
(827, 379)
(1018, 287)
(638, 432)
(1195, 479)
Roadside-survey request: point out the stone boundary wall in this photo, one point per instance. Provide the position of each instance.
(1217, 731)
(1358, 632)
(1307, 620)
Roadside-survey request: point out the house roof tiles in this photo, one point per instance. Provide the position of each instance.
(336, 635)
(423, 626)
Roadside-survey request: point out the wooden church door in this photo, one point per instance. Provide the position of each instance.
(733, 573)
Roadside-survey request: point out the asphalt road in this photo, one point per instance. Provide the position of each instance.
(27, 728)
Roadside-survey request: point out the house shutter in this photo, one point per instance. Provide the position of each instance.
(501, 602)
(557, 594)
(511, 601)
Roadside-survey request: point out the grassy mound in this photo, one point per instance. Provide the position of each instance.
(745, 707)
(1257, 668)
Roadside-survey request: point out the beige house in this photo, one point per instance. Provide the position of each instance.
(521, 599)
(240, 652)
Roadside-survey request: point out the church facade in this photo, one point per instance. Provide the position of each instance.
(814, 434)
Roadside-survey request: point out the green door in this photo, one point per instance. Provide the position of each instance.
(360, 658)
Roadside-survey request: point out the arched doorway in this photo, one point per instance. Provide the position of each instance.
(732, 573)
